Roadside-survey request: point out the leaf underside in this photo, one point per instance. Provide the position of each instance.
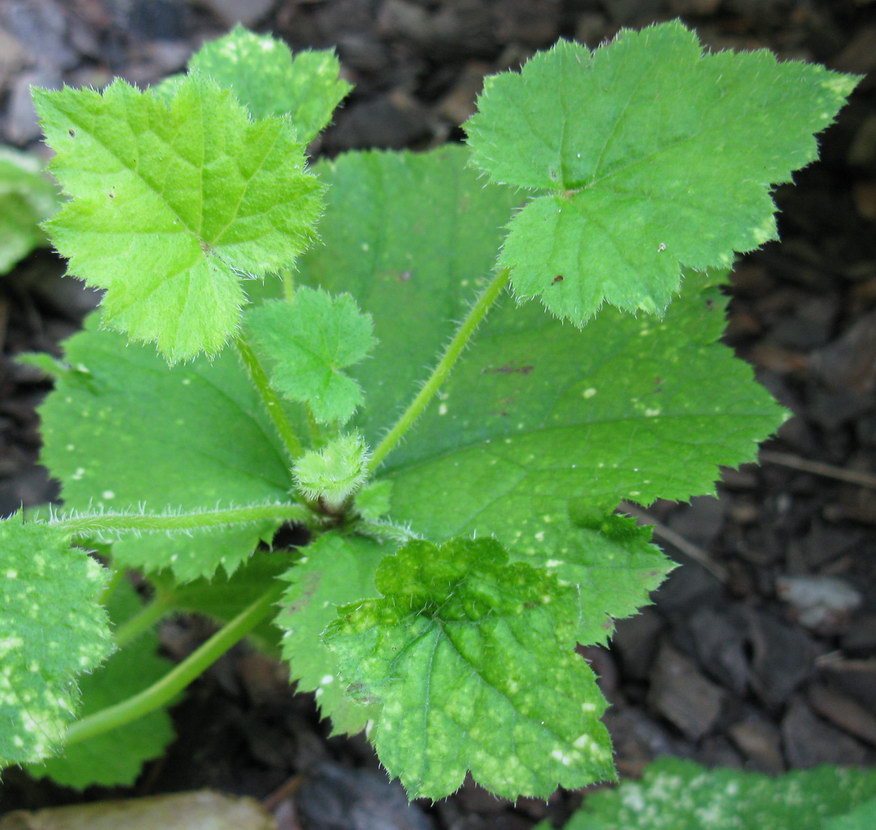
(173, 204)
(52, 630)
(651, 156)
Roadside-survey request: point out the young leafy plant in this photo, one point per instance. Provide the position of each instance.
(462, 524)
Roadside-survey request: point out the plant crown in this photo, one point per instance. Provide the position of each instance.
(258, 362)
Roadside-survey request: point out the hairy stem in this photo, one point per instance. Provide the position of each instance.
(439, 374)
(143, 620)
(271, 400)
(180, 676)
(113, 523)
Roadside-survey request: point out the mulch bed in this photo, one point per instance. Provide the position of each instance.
(760, 651)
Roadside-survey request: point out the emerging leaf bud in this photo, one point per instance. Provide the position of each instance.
(334, 472)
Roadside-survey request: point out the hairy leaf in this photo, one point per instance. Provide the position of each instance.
(307, 343)
(266, 79)
(655, 156)
(608, 558)
(471, 661)
(121, 429)
(541, 415)
(173, 204)
(537, 415)
(116, 757)
(27, 198)
(52, 630)
(335, 570)
(411, 237)
(682, 795)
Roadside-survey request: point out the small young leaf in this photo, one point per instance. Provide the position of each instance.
(472, 661)
(266, 79)
(52, 630)
(681, 795)
(115, 758)
(656, 157)
(120, 430)
(307, 343)
(333, 472)
(27, 198)
(174, 202)
(335, 570)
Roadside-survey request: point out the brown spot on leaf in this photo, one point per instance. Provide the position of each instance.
(508, 369)
(557, 278)
(72, 133)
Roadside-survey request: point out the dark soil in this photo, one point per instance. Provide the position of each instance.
(760, 651)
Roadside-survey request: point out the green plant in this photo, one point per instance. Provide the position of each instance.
(681, 795)
(27, 198)
(463, 537)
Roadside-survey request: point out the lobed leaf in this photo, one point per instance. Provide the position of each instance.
(173, 204)
(267, 80)
(115, 758)
(655, 157)
(610, 561)
(682, 795)
(121, 429)
(27, 198)
(412, 236)
(52, 630)
(471, 660)
(334, 570)
(307, 343)
(538, 417)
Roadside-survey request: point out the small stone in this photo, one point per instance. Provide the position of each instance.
(761, 743)
(22, 124)
(682, 695)
(809, 741)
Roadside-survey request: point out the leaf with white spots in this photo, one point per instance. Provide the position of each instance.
(116, 757)
(306, 343)
(541, 418)
(470, 660)
(654, 155)
(173, 203)
(537, 414)
(121, 430)
(610, 561)
(334, 570)
(52, 630)
(267, 80)
(680, 795)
